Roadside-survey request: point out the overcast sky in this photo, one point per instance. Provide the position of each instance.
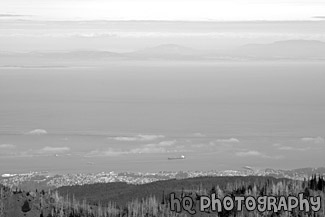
(224, 10)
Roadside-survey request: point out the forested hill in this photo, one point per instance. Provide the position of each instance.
(121, 192)
(128, 200)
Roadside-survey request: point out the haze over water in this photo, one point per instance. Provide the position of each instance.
(89, 86)
(132, 116)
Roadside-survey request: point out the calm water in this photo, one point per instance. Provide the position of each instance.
(133, 116)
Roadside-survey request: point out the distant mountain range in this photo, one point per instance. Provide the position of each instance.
(167, 51)
(291, 49)
(88, 54)
(279, 50)
(298, 174)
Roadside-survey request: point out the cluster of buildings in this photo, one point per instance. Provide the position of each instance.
(44, 180)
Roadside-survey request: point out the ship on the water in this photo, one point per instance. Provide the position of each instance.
(177, 158)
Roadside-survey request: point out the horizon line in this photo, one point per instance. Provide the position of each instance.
(17, 17)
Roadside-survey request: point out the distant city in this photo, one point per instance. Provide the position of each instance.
(43, 180)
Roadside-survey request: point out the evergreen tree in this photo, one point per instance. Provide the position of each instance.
(25, 207)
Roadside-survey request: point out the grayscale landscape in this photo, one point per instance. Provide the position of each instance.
(188, 95)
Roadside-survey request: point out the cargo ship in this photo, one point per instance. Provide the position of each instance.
(177, 158)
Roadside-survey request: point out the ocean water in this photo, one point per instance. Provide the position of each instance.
(132, 116)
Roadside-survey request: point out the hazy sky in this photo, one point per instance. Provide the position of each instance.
(165, 9)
